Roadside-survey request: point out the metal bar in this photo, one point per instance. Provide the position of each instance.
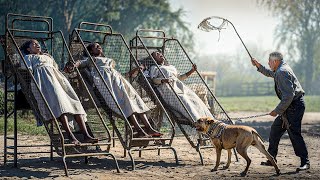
(150, 30)
(141, 47)
(86, 144)
(92, 31)
(30, 146)
(33, 31)
(40, 152)
(152, 37)
(9, 114)
(34, 20)
(5, 117)
(95, 24)
(15, 123)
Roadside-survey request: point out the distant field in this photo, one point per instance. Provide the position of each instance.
(263, 103)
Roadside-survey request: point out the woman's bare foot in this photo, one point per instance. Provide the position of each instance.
(154, 133)
(89, 139)
(142, 134)
(75, 142)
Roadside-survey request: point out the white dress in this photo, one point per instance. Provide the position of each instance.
(128, 99)
(54, 86)
(192, 102)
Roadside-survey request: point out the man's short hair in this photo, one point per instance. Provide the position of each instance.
(277, 55)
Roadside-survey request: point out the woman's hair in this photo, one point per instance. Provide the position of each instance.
(159, 51)
(24, 47)
(89, 48)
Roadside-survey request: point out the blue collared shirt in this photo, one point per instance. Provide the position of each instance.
(287, 85)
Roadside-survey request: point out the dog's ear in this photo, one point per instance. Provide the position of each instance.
(209, 120)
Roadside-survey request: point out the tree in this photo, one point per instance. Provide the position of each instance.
(299, 30)
(125, 16)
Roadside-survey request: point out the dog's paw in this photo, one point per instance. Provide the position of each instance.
(243, 174)
(225, 167)
(214, 169)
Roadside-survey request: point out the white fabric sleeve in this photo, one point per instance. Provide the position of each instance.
(28, 59)
(83, 63)
(154, 75)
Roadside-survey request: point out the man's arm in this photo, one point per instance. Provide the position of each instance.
(285, 85)
(262, 69)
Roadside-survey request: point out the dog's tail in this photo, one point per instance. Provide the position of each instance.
(255, 132)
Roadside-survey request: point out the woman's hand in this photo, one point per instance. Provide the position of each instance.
(194, 67)
(69, 67)
(166, 80)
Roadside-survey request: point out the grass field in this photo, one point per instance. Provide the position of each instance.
(263, 103)
(27, 125)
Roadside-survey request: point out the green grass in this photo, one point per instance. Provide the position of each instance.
(25, 126)
(263, 103)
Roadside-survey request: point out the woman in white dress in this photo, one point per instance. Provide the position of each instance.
(56, 90)
(128, 99)
(191, 101)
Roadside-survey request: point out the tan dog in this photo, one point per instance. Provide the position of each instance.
(233, 136)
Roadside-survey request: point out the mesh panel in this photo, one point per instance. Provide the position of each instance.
(95, 122)
(30, 90)
(114, 47)
(58, 49)
(176, 56)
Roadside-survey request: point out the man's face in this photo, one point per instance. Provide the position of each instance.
(273, 63)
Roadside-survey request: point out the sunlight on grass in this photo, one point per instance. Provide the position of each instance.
(25, 126)
(263, 103)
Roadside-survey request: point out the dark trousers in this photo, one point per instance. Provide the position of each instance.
(294, 115)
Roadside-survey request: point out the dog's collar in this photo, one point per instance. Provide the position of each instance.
(215, 130)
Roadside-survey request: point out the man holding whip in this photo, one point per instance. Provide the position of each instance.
(290, 110)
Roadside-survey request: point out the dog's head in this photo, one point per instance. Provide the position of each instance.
(203, 124)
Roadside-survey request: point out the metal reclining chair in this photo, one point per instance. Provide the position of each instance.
(142, 45)
(25, 27)
(115, 47)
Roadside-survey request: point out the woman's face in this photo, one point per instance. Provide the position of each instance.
(96, 50)
(158, 57)
(34, 47)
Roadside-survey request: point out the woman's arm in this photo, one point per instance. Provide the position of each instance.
(134, 72)
(187, 74)
(156, 77)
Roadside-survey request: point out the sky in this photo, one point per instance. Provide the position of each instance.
(254, 23)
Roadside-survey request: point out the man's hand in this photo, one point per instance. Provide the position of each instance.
(273, 113)
(255, 62)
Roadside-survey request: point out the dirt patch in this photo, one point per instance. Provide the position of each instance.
(152, 166)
